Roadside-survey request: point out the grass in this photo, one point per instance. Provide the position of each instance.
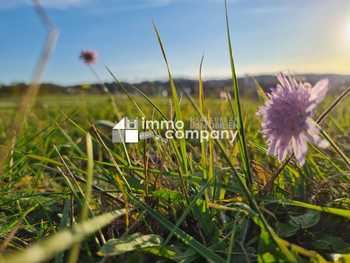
(41, 183)
(68, 194)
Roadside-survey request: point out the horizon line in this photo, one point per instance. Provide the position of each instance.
(179, 77)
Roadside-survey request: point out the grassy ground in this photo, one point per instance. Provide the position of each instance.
(44, 187)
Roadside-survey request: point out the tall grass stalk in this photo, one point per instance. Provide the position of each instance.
(29, 97)
(176, 104)
(237, 108)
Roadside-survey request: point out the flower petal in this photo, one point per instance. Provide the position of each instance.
(283, 79)
(286, 117)
(312, 134)
(317, 140)
(300, 148)
(319, 91)
(272, 147)
(283, 149)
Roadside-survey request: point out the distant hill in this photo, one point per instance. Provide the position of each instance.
(247, 85)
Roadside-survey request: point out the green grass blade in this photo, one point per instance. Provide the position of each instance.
(136, 241)
(204, 162)
(335, 147)
(330, 210)
(245, 189)
(237, 107)
(74, 254)
(64, 223)
(232, 239)
(186, 212)
(176, 102)
(89, 177)
(142, 94)
(261, 93)
(120, 84)
(200, 87)
(183, 236)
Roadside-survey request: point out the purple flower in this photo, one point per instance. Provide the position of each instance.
(286, 117)
(88, 56)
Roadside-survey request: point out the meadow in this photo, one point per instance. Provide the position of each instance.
(69, 194)
(170, 216)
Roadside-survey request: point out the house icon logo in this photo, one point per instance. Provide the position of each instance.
(126, 131)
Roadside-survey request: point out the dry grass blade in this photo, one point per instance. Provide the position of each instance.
(333, 105)
(44, 250)
(10, 237)
(336, 147)
(29, 97)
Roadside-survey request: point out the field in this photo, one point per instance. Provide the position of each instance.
(68, 193)
(203, 213)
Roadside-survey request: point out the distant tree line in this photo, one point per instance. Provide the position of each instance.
(215, 88)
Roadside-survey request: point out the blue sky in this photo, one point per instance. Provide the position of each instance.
(268, 36)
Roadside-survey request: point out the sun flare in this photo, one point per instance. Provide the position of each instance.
(347, 32)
